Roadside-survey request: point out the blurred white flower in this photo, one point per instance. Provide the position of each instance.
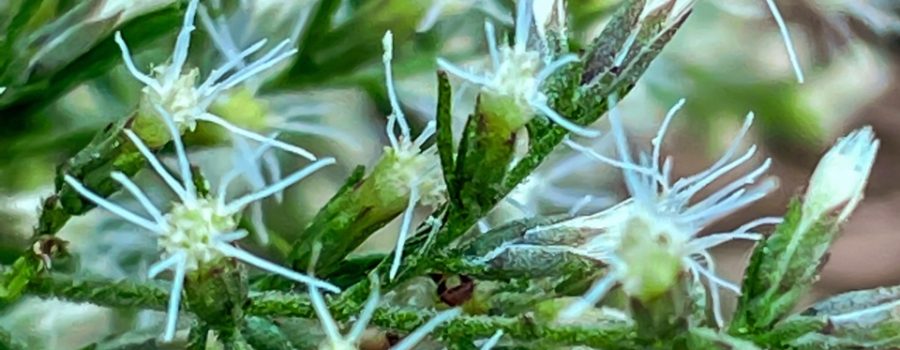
(177, 92)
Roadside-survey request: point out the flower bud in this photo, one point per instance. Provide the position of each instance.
(840, 178)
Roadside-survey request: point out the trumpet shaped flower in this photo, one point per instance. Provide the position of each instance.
(519, 72)
(197, 230)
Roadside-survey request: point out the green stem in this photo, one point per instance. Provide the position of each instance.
(278, 304)
(100, 292)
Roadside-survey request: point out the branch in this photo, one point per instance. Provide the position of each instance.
(523, 327)
(107, 293)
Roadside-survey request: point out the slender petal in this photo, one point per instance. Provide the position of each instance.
(291, 179)
(251, 259)
(417, 335)
(254, 136)
(404, 229)
(788, 43)
(156, 165)
(112, 207)
(139, 195)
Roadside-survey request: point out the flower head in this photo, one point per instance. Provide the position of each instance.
(198, 230)
(335, 341)
(840, 178)
(650, 238)
(175, 88)
(406, 170)
(519, 73)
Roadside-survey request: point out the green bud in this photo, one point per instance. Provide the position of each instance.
(216, 293)
(652, 259)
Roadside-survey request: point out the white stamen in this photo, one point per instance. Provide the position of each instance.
(417, 335)
(491, 38)
(367, 313)
(156, 165)
(187, 177)
(241, 202)
(563, 122)
(112, 207)
(492, 342)
(594, 295)
(254, 136)
(788, 43)
(182, 44)
(139, 195)
(178, 261)
(251, 259)
(129, 63)
(388, 43)
(404, 229)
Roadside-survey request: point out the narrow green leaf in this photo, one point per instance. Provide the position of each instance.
(444, 119)
(778, 276)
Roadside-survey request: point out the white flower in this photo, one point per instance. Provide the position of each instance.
(197, 230)
(179, 94)
(413, 171)
(519, 72)
(335, 341)
(650, 238)
(841, 176)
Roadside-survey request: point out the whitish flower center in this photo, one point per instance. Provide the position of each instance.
(193, 228)
(411, 167)
(180, 98)
(516, 75)
(651, 249)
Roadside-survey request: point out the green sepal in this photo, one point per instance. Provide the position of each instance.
(15, 281)
(776, 278)
(262, 333)
(867, 319)
(216, 293)
(444, 136)
(485, 152)
(358, 210)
